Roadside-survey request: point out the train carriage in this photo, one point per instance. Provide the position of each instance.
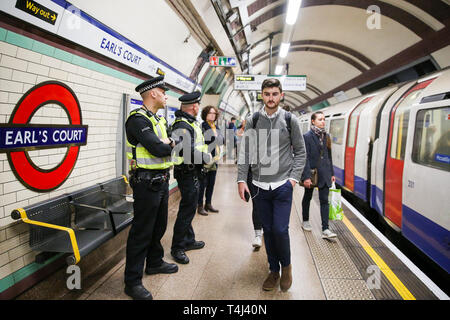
(391, 148)
(426, 173)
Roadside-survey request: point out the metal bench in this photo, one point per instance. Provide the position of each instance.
(79, 222)
(117, 201)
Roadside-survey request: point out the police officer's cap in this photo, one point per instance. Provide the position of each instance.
(190, 98)
(157, 82)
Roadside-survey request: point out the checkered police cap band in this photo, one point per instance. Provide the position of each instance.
(151, 86)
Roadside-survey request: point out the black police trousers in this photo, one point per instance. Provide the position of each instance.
(149, 225)
(183, 233)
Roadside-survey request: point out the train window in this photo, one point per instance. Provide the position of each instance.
(400, 130)
(431, 146)
(352, 131)
(354, 123)
(337, 130)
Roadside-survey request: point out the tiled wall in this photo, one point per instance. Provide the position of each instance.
(25, 62)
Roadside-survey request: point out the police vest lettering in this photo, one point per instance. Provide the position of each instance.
(143, 158)
(199, 143)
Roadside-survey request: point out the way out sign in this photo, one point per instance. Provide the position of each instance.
(37, 10)
(19, 136)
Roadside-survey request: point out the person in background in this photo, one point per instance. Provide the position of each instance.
(318, 150)
(214, 140)
(232, 126)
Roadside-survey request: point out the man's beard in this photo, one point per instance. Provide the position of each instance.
(274, 106)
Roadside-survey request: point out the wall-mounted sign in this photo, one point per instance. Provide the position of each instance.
(160, 72)
(37, 10)
(216, 61)
(73, 24)
(254, 82)
(18, 136)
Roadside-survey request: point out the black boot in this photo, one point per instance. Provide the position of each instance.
(163, 268)
(180, 257)
(209, 208)
(138, 292)
(201, 210)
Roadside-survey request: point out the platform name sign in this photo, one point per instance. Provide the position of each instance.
(19, 136)
(65, 20)
(254, 82)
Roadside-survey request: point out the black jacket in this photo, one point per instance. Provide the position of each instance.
(178, 132)
(324, 165)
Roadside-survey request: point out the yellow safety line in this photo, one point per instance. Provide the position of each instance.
(73, 240)
(393, 279)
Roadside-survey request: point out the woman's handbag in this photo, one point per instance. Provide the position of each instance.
(314, 178)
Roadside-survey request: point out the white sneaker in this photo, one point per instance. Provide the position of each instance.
(306, 226)
(327, 234)
(257, 242)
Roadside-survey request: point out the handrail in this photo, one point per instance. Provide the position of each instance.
(73, 240)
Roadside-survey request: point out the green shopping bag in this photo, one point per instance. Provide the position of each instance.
(334, 199)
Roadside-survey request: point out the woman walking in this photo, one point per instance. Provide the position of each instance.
(318, 150)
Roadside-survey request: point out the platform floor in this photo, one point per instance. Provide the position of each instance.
(228, 268)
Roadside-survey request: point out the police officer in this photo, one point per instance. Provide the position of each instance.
(188, 162)
(149, 152)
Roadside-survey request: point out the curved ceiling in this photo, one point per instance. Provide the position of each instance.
(338, 44)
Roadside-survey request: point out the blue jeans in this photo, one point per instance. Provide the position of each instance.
(274, 208)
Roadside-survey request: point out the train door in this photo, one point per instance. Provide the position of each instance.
(395, 155)
(426, 178)
(350, 148)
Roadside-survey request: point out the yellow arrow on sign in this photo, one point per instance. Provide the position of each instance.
(53, 17)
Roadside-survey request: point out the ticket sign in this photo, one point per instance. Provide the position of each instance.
(216, 61)
(254, 82)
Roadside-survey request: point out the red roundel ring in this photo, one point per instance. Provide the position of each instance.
(49, 92)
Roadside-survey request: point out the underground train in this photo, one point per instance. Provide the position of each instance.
(391, 149)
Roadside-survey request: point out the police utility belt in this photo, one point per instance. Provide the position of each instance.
(189, 168)
(153, 177)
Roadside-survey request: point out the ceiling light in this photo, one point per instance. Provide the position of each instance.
(278, 69)
(292, 11)
(284, 48)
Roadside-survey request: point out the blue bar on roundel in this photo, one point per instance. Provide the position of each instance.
(25, 137)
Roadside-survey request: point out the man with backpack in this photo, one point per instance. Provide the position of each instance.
(276, 151)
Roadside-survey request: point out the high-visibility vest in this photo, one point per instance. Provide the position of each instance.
(144, 159)
(199, 142)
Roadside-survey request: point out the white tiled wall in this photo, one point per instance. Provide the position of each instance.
(100, 99)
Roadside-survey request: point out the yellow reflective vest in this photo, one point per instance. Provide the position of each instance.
(199, 142)
(144, 159)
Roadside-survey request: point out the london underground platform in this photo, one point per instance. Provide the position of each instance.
(359, 265)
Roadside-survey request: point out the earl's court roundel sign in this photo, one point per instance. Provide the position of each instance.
(19, 136)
